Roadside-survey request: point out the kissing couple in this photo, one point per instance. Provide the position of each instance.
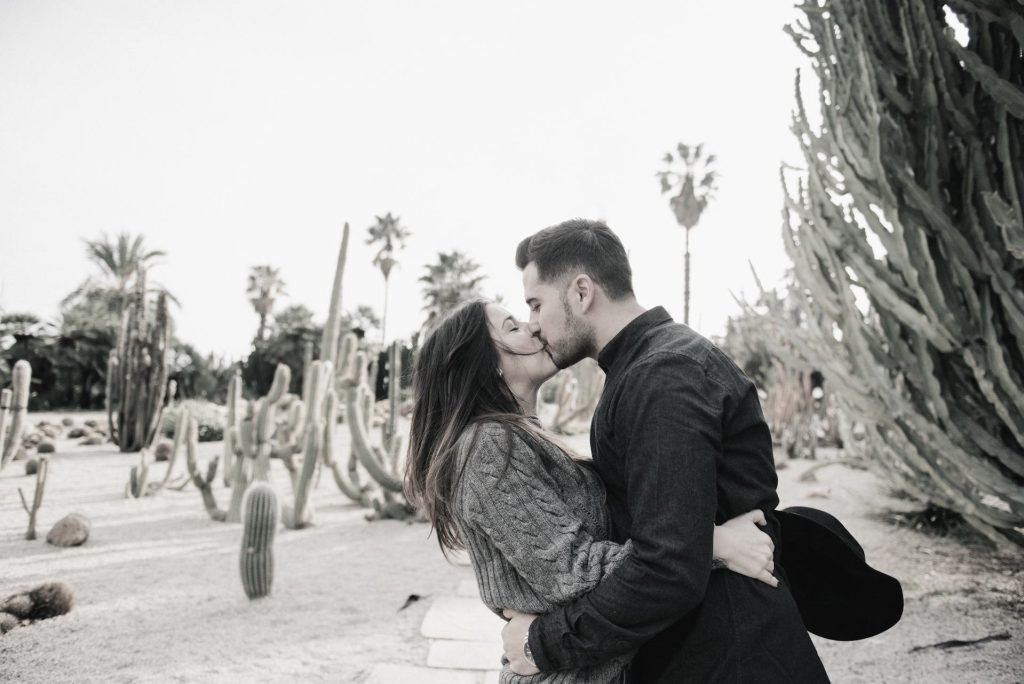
(662, 559)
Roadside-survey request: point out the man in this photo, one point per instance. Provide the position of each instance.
(680, 442)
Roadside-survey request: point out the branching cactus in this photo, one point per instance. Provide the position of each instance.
(259, 523)
(137, 371)
(14, 410)
(203, 484)
(376, 461)
(300, 514)
(37, 500)
(138, 478)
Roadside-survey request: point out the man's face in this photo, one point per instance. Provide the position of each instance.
(567, 337)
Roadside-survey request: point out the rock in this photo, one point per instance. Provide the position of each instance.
(66, 421)
(92, 440)
(32, 466)
(71, 530)
(46, 448)
(91, 423)
(31, 439)
(163, 450)
(75, 433)
(51, 431)
(8, 622)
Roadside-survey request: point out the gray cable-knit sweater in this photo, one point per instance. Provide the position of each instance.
(536, 532)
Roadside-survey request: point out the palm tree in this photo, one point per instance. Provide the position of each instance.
(695, 182)
(265, 286)
(391, 236)
(448, 283)
(119, 260)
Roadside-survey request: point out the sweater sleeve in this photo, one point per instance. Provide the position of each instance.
(509, 496)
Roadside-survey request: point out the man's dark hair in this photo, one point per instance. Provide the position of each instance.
(579, 245)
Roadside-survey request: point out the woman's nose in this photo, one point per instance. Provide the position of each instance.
(534, 328)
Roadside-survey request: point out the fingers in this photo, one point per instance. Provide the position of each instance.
(758, 517)
(767, 578)
(508, 613)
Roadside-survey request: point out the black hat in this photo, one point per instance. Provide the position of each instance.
(839, 595)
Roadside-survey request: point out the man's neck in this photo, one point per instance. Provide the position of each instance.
(610, 323)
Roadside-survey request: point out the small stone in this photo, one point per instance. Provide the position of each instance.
(32, 466)
(163, 450)
(92, 440)
(71, 530)
(76, 432)
(66, 421)
(46, 448)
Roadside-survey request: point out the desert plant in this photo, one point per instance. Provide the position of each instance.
(448, 282)
(259, 524)
(14, 406)
(694, 184)
(37, 499)
(907, 235)
(578, 391)
(137, 371)
(265, 286)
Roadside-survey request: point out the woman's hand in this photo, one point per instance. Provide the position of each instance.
(745, 548)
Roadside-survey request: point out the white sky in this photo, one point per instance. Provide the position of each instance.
(240, 133)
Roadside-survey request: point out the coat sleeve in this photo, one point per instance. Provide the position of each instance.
(668, 431)
(511, 498)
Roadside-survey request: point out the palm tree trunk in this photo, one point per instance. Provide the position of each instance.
(686, 281)
(384, 318)
(262, 328)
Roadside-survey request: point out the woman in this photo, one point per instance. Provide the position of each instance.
(492, 481)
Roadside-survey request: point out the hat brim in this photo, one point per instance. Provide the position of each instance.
(840, 596)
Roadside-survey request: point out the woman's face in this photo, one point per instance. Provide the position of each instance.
(523, 359)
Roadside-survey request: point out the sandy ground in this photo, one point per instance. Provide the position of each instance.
(158, 595)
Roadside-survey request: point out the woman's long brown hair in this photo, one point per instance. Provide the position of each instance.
(456, 386)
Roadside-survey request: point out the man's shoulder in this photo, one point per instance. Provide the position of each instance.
(677, 348)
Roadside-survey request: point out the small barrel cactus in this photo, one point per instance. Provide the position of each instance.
(259, 522)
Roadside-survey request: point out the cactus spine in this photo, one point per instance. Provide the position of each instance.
(14, 403)
(259, 523)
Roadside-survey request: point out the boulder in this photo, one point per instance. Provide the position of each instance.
(71, 530)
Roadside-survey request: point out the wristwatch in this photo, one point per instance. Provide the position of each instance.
(527, 652)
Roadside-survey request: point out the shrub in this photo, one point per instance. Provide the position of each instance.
(210, 417)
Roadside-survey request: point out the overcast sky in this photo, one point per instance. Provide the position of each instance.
(238, 133)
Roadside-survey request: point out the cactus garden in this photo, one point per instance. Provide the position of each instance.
(228, 236)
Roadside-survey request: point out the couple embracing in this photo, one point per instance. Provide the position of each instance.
(659, 560)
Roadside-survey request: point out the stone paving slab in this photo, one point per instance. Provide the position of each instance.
(461, 618)
(465, 655)
(406, 674)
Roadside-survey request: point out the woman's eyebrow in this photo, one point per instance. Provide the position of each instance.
(510, 318)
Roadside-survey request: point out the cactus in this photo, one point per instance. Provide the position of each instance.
(907, 235)
(37, 499)
(137, 370)
(300, 514)
(203, 484)
(14, 407)
(259, 523)
(232, 426)
(332, 329)
(138, 478)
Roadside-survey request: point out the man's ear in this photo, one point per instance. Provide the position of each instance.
(583, 292)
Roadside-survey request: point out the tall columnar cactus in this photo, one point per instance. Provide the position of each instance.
(380, 464)
(907, 235)
(259, 523)
(300, 514)
(13, 411)
(332, 329)
(231, 428)
(137, 371)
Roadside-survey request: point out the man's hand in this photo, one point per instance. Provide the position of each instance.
(514, 636)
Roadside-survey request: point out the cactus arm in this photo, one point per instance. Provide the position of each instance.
(180, 430)
(298, 516)
(259, 524)
(201, 483)
(369, 455)
(350, 489)
(329, 341)
(21, 376)
(265, 420)
(5, 408)
(231, 428)
(37, 499)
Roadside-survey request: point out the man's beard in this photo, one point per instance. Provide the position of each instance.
(577, 344)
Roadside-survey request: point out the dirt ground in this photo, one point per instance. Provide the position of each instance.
(158, 595)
